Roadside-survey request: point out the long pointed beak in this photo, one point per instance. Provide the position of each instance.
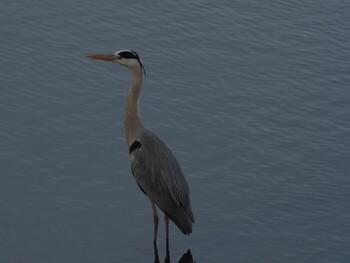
(104, 57)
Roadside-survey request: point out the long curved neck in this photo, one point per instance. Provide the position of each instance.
(132, 120)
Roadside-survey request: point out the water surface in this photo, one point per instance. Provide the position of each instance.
(252, 98)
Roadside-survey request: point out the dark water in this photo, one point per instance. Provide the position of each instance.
(252, 97)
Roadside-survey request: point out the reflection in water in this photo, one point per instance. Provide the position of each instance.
(186, 258)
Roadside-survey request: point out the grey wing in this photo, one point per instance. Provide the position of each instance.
(159, 176)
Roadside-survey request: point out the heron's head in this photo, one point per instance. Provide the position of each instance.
(127, 58)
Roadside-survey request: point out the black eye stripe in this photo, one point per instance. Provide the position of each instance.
(128, 54)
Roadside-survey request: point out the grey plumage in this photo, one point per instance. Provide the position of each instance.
(160, 177)
(153, 165)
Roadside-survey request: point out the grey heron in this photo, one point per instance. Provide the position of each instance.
(153, 165)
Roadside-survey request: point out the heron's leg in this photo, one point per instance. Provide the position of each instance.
(156, 256)
(155, 221)
(166, 219)
(167, 256)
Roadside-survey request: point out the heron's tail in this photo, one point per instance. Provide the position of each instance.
(184, 219)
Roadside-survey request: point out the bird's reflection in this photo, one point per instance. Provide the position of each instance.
(186, 258)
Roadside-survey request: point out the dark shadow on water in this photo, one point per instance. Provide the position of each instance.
(186, 258)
